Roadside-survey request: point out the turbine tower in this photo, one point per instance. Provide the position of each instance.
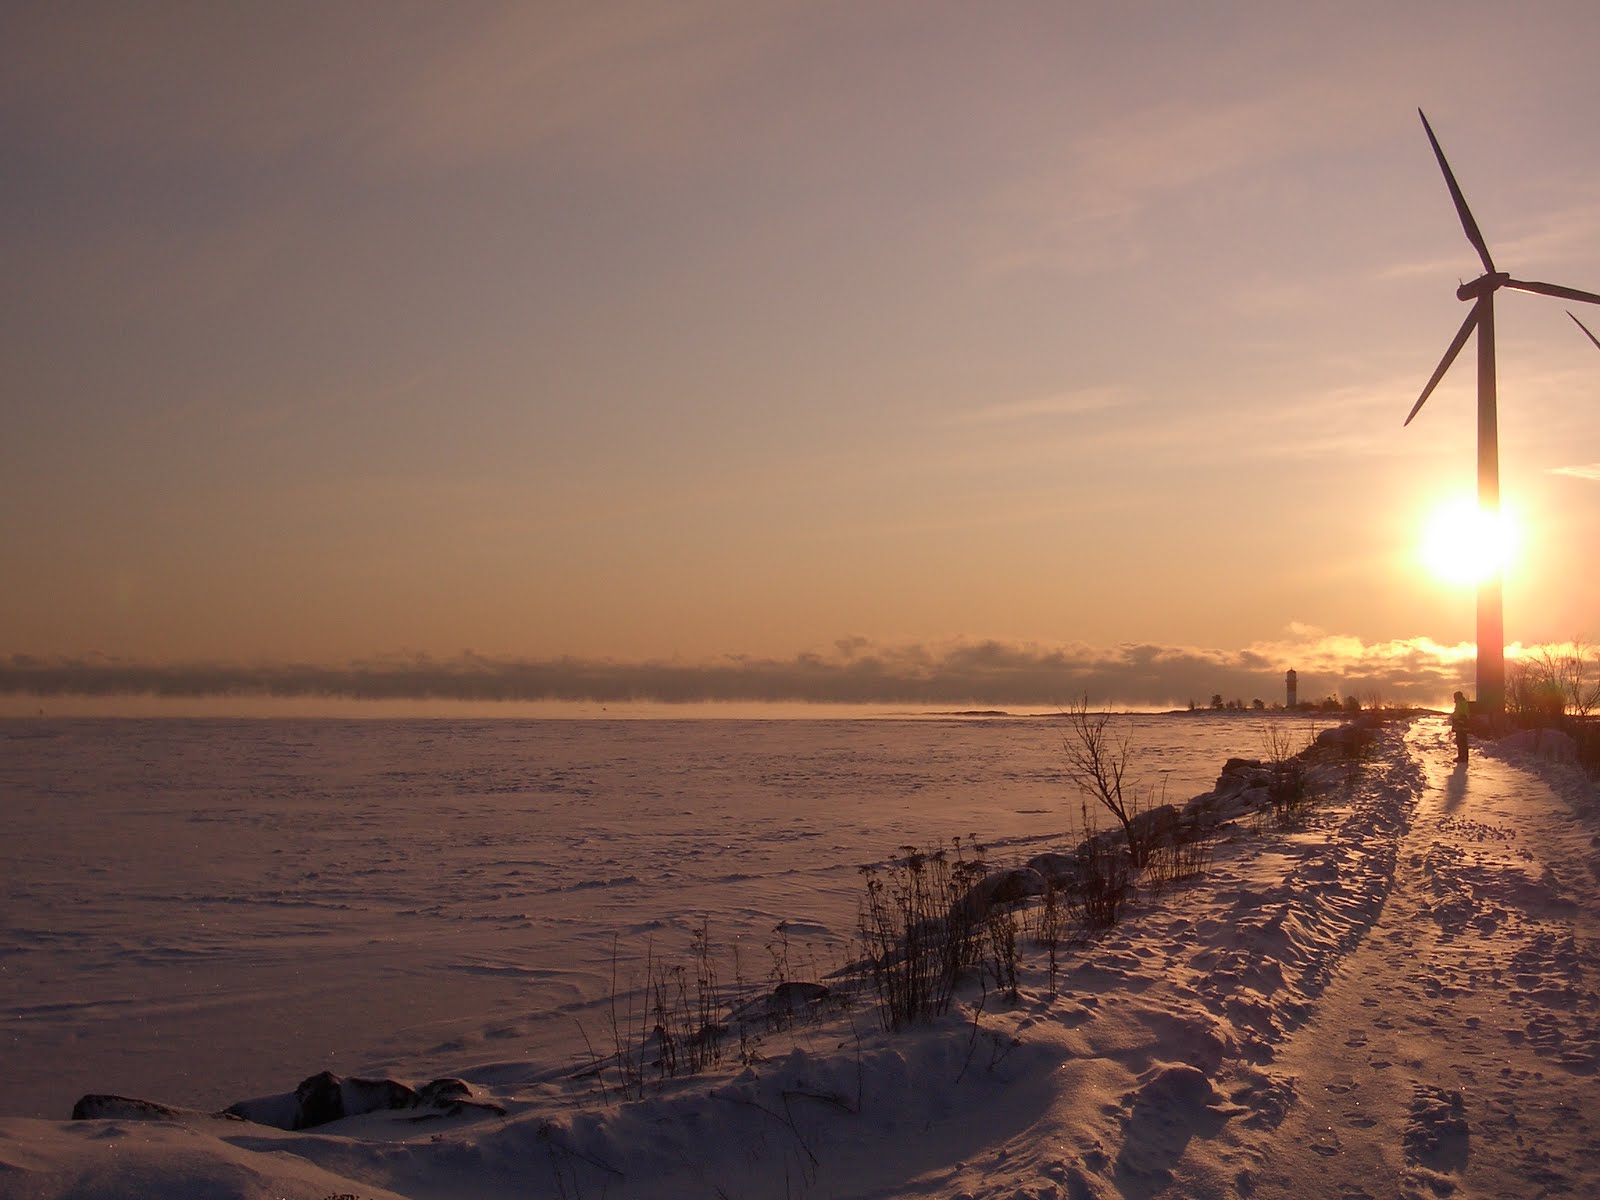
(1491, 626)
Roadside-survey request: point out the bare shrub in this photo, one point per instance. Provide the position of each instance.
(778, 949)
(1559, 684)
(1050, 924)
(1586, 738)
(1554, 680)
(707, 1009)
(917, 935)
(1194, 853)
(1097, 765)
(1355, 749)
(1185, 855)
(630, 1079)
(676, 1019)
(677, 1030)
(1105, 881)
(1288, 785)
(1000, 923)
(1532, 694)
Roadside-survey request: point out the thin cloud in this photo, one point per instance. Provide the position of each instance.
(1066, 404)
(640, 81)
(1345, 421)
(1554, 236)
(1113, 173)
(1174, 145)
(1441, 267)
(1586, 471)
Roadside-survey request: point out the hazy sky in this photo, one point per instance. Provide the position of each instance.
(858, 339)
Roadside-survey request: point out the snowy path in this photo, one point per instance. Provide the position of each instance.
(1457, 1047)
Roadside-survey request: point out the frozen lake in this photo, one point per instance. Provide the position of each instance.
(199, 911)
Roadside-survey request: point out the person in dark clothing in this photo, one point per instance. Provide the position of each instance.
(1458, 725)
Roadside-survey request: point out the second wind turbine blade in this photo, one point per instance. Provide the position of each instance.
(1552, 289)
(1461, 337)
(1465, 213)
(1585, 328)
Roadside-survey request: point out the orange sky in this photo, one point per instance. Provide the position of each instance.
(771, 334)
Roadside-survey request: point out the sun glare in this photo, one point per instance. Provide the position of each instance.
(1462, 544)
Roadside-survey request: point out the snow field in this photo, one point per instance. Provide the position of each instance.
(1397, 997)
(404, 896)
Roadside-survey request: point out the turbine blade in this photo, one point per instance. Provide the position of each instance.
(1552, 289)
(1585, 328)
(1465, 213)
(1462, 335)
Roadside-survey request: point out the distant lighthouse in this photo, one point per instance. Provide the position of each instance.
(1291, 685)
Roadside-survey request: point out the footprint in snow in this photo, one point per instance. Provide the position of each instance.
(1437, 1135)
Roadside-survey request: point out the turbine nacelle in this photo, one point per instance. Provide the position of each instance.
(1483, 285)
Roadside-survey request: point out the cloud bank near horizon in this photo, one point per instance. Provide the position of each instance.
(854, 671)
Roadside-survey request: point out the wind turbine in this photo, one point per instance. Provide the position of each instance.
(1585, 328)
(1491, 626)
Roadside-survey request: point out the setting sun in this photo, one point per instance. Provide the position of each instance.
(1463, 544)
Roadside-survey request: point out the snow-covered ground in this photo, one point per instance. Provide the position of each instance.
(1399, 995)
(403, 896)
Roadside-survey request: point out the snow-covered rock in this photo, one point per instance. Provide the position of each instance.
(319, 1100)
(1550, 744)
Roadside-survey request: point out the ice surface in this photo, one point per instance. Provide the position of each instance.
(366, 895)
